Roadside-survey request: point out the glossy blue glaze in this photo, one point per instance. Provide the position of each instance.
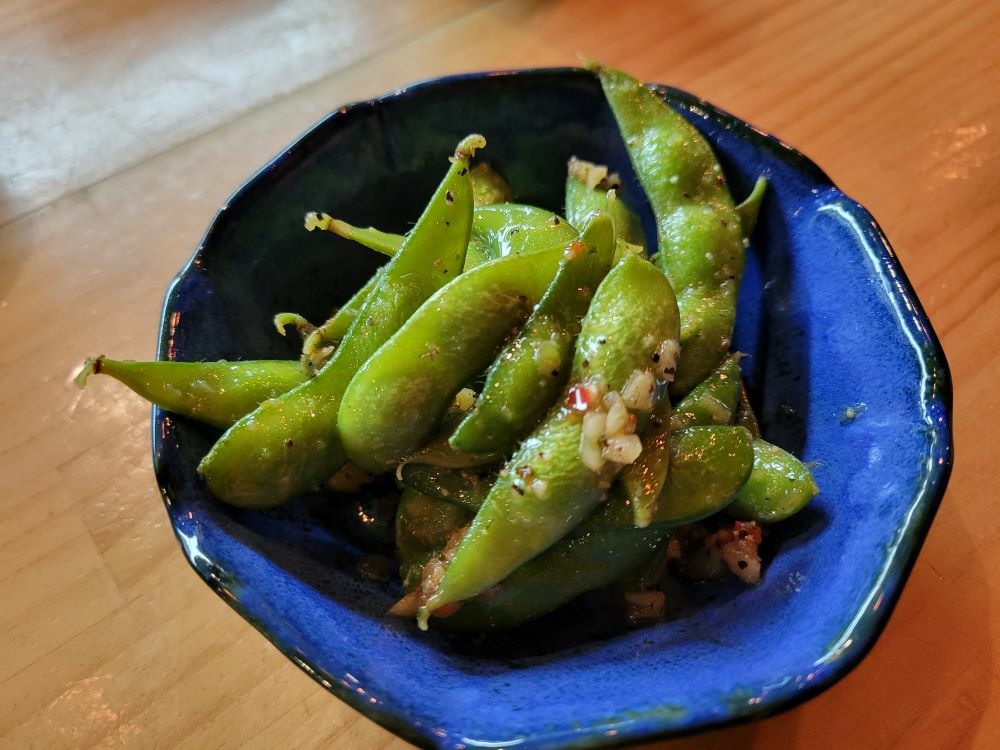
(830, 323)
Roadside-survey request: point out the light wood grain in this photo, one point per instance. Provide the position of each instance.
(125, 124)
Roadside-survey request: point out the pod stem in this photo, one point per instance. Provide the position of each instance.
(91, 366)
(468, 146)
(284, 319)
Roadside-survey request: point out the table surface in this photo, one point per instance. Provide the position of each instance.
(125, 124)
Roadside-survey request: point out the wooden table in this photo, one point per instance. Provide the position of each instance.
(124, 125)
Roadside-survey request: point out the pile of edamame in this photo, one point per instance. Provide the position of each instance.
(555, 400)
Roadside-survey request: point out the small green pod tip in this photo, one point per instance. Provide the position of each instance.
(590, 64)
(468, 146)
(643, 517)
(91, 366)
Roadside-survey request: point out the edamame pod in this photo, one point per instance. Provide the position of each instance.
(712, 401)
(290, 444)
(779, 486)
(571, 567)
(749, 209)
(459, 486)
(590, 188)
(439, 453)
(504, 229)
(488, 185)
(391, 407)
(549, 484)
(217, 393)
(698, 230)
(525, 379)
(423, 527)
(643, 479)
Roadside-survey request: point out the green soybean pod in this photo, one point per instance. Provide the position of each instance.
(699, 233)
(460, 486)
(488, 185)
(216, 393)
(290, 444)
(712, 401)
(423, 527)
(643, 479)
(437, 452)
(779, 486)
(569, 568)
(749, 209)
(502, 229)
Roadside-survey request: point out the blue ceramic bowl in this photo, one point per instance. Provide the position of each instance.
(844, 370)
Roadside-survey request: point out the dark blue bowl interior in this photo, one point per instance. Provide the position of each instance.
(843, 369)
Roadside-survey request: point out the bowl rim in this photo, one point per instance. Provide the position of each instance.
(935, 397)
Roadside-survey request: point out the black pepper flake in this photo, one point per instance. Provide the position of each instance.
(519, 490)
(656, 422)
(464, 171)
(656, 356)
(586, 363)
(724, 223)
(447, 223)
(555, 373)
(289, 442)
(602, 341)
(741, 564)
(449, 197)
